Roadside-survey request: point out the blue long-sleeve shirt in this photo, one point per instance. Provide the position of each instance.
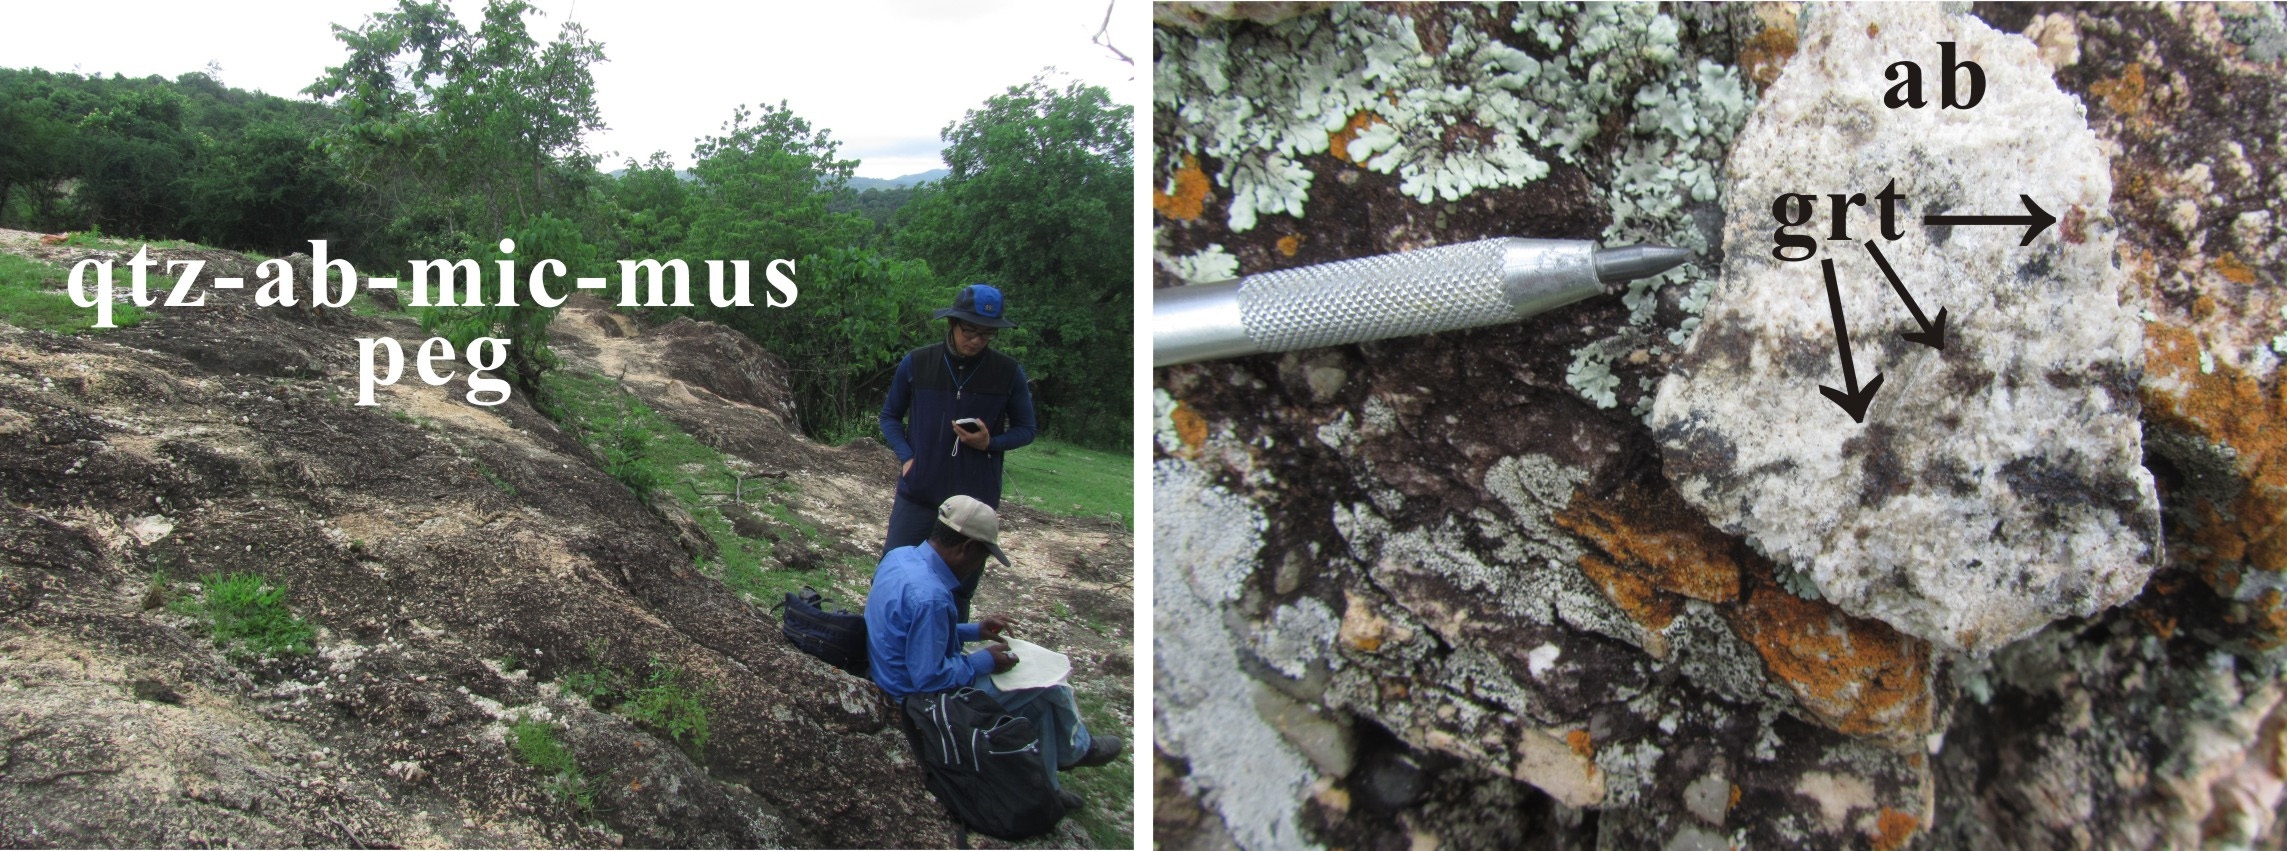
(912, 638)
(930, 390)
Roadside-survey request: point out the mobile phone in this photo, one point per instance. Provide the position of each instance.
(969, 424)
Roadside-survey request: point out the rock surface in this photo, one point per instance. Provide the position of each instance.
(461, 567)
(1530, 615)
(1997, 482)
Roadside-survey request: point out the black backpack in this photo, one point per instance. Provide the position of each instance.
(837, 636)
(983, 763)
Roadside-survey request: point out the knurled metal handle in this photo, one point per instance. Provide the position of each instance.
(1446, 288)
(1424, 291)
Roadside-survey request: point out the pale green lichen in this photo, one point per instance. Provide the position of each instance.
(1479, 113)
(1163, 431)
(1209, 265)
(2260, 27)
(1797, 581)
(1298, 636)
(1591, 375)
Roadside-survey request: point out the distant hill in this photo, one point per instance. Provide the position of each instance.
(862, 184)
(857, 184)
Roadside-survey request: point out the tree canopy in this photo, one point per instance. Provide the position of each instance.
(436, 138)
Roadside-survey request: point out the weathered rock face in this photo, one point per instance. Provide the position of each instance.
(459, 565)
(1996, 483)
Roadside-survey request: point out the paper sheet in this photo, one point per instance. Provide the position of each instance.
(1036, 667)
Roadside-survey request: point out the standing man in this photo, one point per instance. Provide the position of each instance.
(953, 408)
(913, 641)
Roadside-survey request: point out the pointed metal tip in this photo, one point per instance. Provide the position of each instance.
(1620, 265)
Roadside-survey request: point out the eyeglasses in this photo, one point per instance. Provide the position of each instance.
(978, 331)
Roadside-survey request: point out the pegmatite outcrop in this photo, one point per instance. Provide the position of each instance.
(1995, 485)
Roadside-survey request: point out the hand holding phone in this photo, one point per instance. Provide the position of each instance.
(970, 432)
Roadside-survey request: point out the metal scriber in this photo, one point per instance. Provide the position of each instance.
(1394, 295)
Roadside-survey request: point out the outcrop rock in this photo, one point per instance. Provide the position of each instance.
(1480, 573)
(1996, 483)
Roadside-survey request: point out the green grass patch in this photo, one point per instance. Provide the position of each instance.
(31, 297)
(93, 238)
(659, 698)
(1109, 790)
(535, 743)
(248, 616)
(640, 447)
(1068, 479)
(498, 483)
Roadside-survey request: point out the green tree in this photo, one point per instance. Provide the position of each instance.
(481, 129)
(488, 123)
(1039, 203)
(772, 187)
(265, 188)
(766, 186)
(651, 206)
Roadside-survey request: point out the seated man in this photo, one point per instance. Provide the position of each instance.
(914, 641)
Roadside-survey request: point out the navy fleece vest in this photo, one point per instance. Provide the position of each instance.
(938, 390)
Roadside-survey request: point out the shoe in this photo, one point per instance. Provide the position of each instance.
(1101, 750)
(1071, 802)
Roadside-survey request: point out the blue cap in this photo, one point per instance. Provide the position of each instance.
(978, 304)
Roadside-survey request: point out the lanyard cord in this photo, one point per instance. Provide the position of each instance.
(959, 383)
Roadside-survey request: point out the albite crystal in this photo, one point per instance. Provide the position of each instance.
(1996, 485)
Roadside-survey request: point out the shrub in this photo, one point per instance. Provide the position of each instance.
(658, 700)
(536, 744)
(248, 616)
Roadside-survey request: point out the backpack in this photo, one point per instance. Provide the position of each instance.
(835, 635)
(983, 763)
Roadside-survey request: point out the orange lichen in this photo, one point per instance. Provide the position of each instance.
(2228, 407)
(1581, 744)
(1338, 142)
(1855, 675)
(2161, 625)
(1189, 426)
(1189, 200)
(2203, 307)
(1734, 802)
(2234, 271)
(1289, 244)
(1873, 30)
(1892, 829)
(2125, 94)
(2269, 619)
(1765, 55)
(1632, 593)
(1658, 539)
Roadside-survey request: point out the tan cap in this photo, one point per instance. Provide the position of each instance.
(975, 519)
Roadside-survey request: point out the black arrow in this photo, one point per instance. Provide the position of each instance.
(1853, 402)
(1933, 334)
(2034, 224)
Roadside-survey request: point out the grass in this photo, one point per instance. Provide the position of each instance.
(639, 447)
(248, 616)
(658, 699)
(536, 744)
(93, 238)
(1107, 789)
(1063, 478)
(31, 298)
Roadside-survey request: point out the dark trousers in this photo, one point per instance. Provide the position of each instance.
(909, 524)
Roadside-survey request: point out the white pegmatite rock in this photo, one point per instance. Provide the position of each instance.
(1996, 485)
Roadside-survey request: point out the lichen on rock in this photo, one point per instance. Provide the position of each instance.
(1996, 484)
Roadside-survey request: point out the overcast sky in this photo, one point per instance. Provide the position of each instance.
(885, 77)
